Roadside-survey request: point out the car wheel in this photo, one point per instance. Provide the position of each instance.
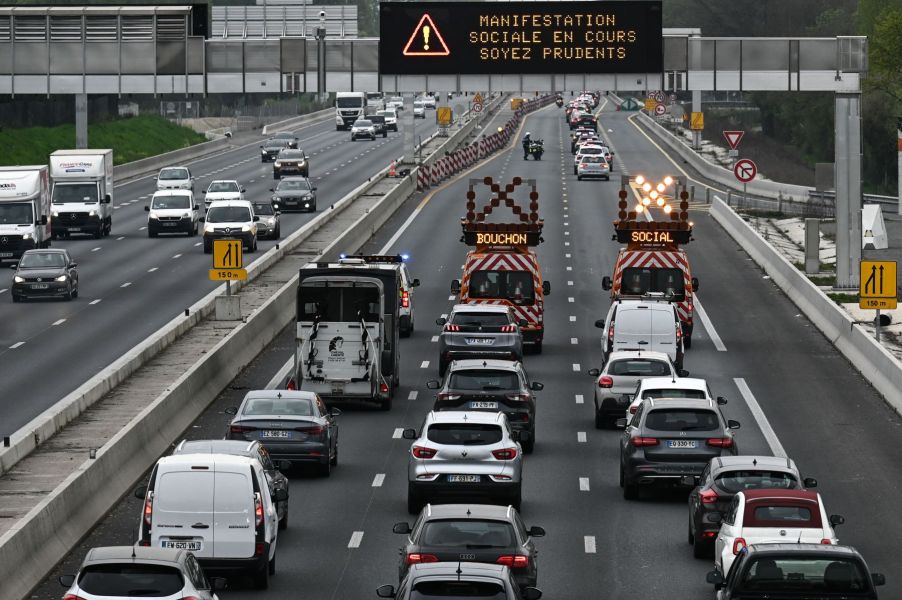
(69, 295)
(208, 248)
(414, 502)
(334, 459)
(325, 469)
(99, 233)
(385, 403)
(283, 522)
(261, 578)
(529, 445)
(690, 536)
(278, 232)
(574, 170)
(16, 298)
(75, 291)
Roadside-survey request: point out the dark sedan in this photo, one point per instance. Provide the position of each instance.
(270, 149)
(492, 386)
(288, 136)
(294, 193)
(481, 533)
(291, 162)
(45, 274)
(478, 331)
(292, 425)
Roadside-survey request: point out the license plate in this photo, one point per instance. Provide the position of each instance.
(682, 444)
(477, 404)
(74, 228)
(269, 433)
(338, 390)
(39, 286)
(169, 224)
(193, 546)
(464, 478)
(6, 254)
(480, 341)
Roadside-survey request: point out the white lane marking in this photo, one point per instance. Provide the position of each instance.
(96, 301)
(571, 299)
(576, 367)
(581, 437)
(121, 237)
(177, 256)
(763, 424)
(566, 233)
(589, 544)
(116, 207)
(424, 364)
(413, 395)
(567, 255)
(584, 484)
(569, 283)
(95, 249)
(281, 374)
(142, 228)
(580, 399)
(574, 341)
(59, 322)
(434, 338)
(566, 243)
(3, 290)
(569, 268)
(572, 318)
(152, 269)
(397, 434)
(566, 224)
(16, 345)
(356, 538)
(197, 244)
(126, 284)
(452, 298)
(709, 326)
(379, 479)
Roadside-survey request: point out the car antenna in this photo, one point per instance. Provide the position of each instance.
(133, 552)
(468, 512)
(459, 572)
(279, 395)
(755, 462)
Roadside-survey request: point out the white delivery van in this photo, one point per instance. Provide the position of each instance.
(82, 192)
(218, 507)
(643, 325)
(24, 210)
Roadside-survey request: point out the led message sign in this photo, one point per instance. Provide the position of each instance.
(448, 38)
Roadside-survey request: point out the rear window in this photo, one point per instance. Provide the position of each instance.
(452, 590)
(669, 419)
(184, 492)
(737, 481)
(782, 513)
(639, 281)
(468, 533)
(673, 393)
(636, 321)
(785, 514)
(639, 367)
(473, 321)
(805, 575)
(464, 434)
(483, 380)
(147, 581)
(297, 407)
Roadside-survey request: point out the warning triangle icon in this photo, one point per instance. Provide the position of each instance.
(426, 40)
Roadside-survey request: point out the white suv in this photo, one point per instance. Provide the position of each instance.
(231, 219)
(680, 388)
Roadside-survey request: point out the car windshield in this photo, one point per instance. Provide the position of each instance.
(639, 281)
(467, 533)
(639, 367)
(228, 214)
(834, 577)
(483, 380)
(457, 590)
(169, 174)
(131, 580)
(263, 208)
(591, 150)
(682, 419)
(737, 481)
(42, 260)
(295, 407)
(291, 154)
(464, 434)
(386, 114)
(418, 105)
(673, 393)
(516, 286)
(223, 186)
(16, 214)
(363, 123)
(75, 192)
(173, 201)
(275, 144)
(471, 321)
(293, 185)
(353, 102)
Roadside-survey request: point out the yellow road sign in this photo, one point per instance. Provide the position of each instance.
(477, 99)
(228, 274)
(650, 103)
(227, 254)
(443, 115)
(877, 284)
(697, 121)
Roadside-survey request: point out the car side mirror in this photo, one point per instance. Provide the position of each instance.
(196, 207)
(281, 495)
(335, 411)
(402, 528)
(256, 218)
(546, 287)
(43, 220)
(721, 400)
(415, 283)
(204, 192)
(284, 465)
(386, 591)
(441, 321)
(536, 386)
(695, 284)
(66, 580)
(107, 199)
(536, 531)
(455, 286)
(270, 189)
(594, 372)
(733, 424)
(878, 579)
(689, 480)
(218, 583)
(314, 188)
(409, 434)
(141, 492)
(532, 593)
(242, 190)
(715, 579)
(232, 410)
(14, 266)
(432, 384)
(599, 324)
(620, 422)
(682, 373)
(73, 264)
(810, 482)
(606, 283)
(146, 208)
(837, 520)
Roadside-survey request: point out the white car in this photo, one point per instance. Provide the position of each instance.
(587, 150)
(419, 110)
(643, 323)
(231, 219)
(172, 211)
(391, 119)
(677, 388)
(363, 128)
(223, 189)
(175, 178)
(428, 100)
(772, 516)
(395, 103)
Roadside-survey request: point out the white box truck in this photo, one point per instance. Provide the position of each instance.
(82, 192)
(24, 210)
(349, 106)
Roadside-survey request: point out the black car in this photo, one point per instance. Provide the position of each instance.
(45, 274)
(290, 137)
(270, 149)
(294, 193)
(491, 386)
(471, 532)
(275, 480)
(671, 438)
(719, 483)
(804, 571)
(458, 579)
(379, 124)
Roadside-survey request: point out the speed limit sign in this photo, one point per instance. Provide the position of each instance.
(660, 109)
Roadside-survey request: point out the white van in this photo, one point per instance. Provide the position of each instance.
(215, 505)
(644, 324)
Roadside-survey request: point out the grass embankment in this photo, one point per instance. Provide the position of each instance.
(130, 139)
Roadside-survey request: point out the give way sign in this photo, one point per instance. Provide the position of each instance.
(733, 138)
(745, 170)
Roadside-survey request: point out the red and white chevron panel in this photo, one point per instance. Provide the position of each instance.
(660, 259)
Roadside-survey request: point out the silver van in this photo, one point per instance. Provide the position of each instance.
(643, 325)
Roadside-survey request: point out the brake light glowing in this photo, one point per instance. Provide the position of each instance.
(724, 442)
(640, 441)
(739, 545)
(423, 452)
(383, 387)
(708, 496)
(258, 549)
(416, 558)
(611, 332)
(258, 510)
(515, 562)
(633, 409)
(505, 453)
(679, 331)
(291, 385)
(826, 542)
(605, 381)
(447, 396)
(583, 165)
(148, 509)
(72, 597)
(450, 327)
(405, 299)
(709, 534)
(518, 397)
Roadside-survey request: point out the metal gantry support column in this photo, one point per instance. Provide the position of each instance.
(321, 61)
(81, 120)
(848, 188)
(899, 158)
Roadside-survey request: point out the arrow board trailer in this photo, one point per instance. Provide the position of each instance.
(24, 210)
(347, 331)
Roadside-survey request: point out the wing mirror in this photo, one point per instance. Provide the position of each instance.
(232, 410)
(715, 579)
(606, 283)
(433, 384)
(314, 188)
(532, 593)
(107, 199)
(599, 324)
(536, 386)
(256, 218)
(733, 424)
(43, 220)
(682, 373)
(455, 286)
(695, 284)
(73, 264)
(196, 207)
(402, 528)
(689, 480)
(546, 287)
(284, 465)
(146, 208)
(721, 400)
(219, 583)
(878, 579)
(270, 189)
(409, 434)
(281, 495)
(14, 266)
(415, 283)
(204, 192)
(535, 531)
(242, 190)
(810, 482)
(837, 520)
(441, 321)
(334, 411)
(594, 372)
(386, 591)
(140, 492)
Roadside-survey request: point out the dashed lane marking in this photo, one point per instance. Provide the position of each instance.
(378, 480)
(770, 435)
(16, 345)
(152, 269)
(95, 249)
(584, 484)
(59, 322)
(581, 437)
(580, 399)
(413, 395)
(424, 364)
(576, 367)
(571, 299)
(574, 341)
(452, 298)
(569, 283)
(569, 268)
(121, 237)
(97, 301)
(397, 434)
(3, 290)
(573, 318)
(709, 326)
(197, 244)
(356, 538)
(126, 284)
(589, 544)
(434, 339)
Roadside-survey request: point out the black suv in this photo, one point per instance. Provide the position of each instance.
(492, 386)
(379, 124)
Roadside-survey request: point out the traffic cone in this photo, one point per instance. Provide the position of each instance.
(391, 170)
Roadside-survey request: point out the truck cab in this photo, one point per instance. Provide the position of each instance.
(349, 106)
(24, 210)
(82, 194)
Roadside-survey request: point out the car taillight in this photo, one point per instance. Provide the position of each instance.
(708, 496)
(583, 165)
(508, 329)
(826, 542)
(515, 562)
(611, 332)
(423, 452)
(241, 428)
(679, 332)
(190, 598)
(633, 409)
(259, 548)
(383, 388)
(72, 597)
(640, 441)
(291, 385)
(148, 509)
(738, 545)
(505, 453)
(405, 299)
(258, 510)
(517, 397)
(417, 558)
(314, 430)
(447, 396)
(605, 382)
(724, 442)
(450, 327)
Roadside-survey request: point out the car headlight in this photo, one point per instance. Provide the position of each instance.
(153, 215)
(56, 213)
(245, 228)
(278, 163)
(18, 279)
(26, 236)
(262, 151)
(62, 278)
(186, 216)
(301, 163)
(92, 213)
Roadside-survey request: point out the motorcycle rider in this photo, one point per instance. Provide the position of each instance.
(526, 142)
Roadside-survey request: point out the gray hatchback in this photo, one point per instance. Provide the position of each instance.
(458, 580)
(479, 331)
